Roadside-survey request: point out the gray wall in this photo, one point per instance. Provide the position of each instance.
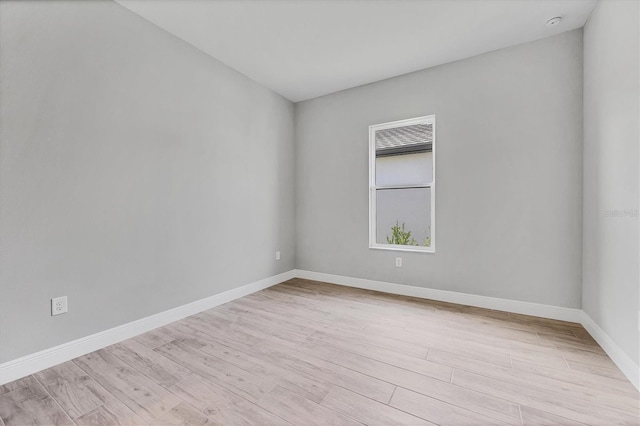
(137, 173)
(611, 279)
(509, 175)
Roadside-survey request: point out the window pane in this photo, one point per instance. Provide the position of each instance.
(401, 165)
(404, 169)
(408, 207)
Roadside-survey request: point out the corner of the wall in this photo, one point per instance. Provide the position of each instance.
(627, 365)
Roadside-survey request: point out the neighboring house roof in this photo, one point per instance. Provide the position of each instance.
(404, 140)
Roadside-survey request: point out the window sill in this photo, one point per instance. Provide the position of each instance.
(415, 249)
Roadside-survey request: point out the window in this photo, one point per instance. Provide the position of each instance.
(402, 185)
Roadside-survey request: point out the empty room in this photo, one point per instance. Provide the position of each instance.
(319, 212)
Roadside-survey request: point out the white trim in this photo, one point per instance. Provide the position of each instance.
(373, 243)
(372, 182)
(507, 305)
(432, 230)
(29, 364)
(393, 247)
(628, 367)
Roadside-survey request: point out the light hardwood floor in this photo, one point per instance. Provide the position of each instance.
(309, 353)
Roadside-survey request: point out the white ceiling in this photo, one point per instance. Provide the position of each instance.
(303, 49)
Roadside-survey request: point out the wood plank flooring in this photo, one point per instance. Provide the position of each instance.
(310, 353)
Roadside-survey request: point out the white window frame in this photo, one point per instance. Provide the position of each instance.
(373, 244)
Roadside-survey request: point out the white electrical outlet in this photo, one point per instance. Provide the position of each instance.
(59, 305)
(398, 262)
(277, 255)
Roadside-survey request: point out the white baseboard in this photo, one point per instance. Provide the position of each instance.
(29, 364)
(515, 306)
(617, 355)
(628, 367)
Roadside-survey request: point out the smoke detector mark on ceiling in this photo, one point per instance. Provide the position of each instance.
(553, 22)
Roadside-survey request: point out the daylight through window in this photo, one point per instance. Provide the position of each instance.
(402, 185)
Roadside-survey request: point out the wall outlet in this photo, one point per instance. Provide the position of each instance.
(59, 305)
(277, 255)
(398, 262)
